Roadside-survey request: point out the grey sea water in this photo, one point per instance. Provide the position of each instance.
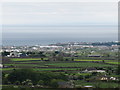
(48, 35)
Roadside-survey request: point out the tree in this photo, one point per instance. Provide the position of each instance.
(103, 61)
(118, 70)
(5, 53)
(25, 75)
(40, 82)
(54, 83)
(17, 83)
(21, 75)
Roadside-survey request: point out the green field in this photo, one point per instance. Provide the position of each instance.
(79, 64)
(97, 84)
(113, 62)
(42, 69)
(26, 59)
(31, 65)
(61, 64)
(41, 65)
(54, 69)
(6, 69)
(86, 60)
(106, 61)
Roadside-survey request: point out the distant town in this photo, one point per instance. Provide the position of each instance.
(72, 48)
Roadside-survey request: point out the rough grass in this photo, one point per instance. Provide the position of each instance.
(21, 65)
(86, 60)
(6, 69)
(79, 64)
(54, 69)
(98, 84)
(113, 62)
(60, 64)
(37, 63)
(106, 61)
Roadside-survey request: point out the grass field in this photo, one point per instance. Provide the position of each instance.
(106, 61)
(79, 64)
(97, 84)
(61, 64)
(113, 62)
(56, 66)
(38, 65)
(54, 69)
(26, 59)
(42, 69)
(31, 65)
(6, 69)
(86, 60)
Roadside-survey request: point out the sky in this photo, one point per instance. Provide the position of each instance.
(60, 0)
(59, 13)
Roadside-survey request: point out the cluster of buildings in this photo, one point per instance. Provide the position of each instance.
(17, 51)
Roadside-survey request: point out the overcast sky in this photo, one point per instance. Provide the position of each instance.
(59, 13)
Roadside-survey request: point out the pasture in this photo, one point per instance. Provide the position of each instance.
(40, 65)
(27, 59)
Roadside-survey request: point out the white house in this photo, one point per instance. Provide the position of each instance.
(1, 65)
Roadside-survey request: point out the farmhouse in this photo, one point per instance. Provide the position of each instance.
(13, 54)
(100, 71)
(1, 65)
(90, 70)
(88, 86)
(114, 78)
(94, 55)
(103, 78)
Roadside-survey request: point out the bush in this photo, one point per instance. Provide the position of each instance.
(41, 78)
(21, 75)
(54, 83)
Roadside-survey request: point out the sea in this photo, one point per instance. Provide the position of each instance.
(36, 35)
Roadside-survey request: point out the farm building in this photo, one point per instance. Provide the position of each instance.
(1, 65)
(94, 55)
(90, 70)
